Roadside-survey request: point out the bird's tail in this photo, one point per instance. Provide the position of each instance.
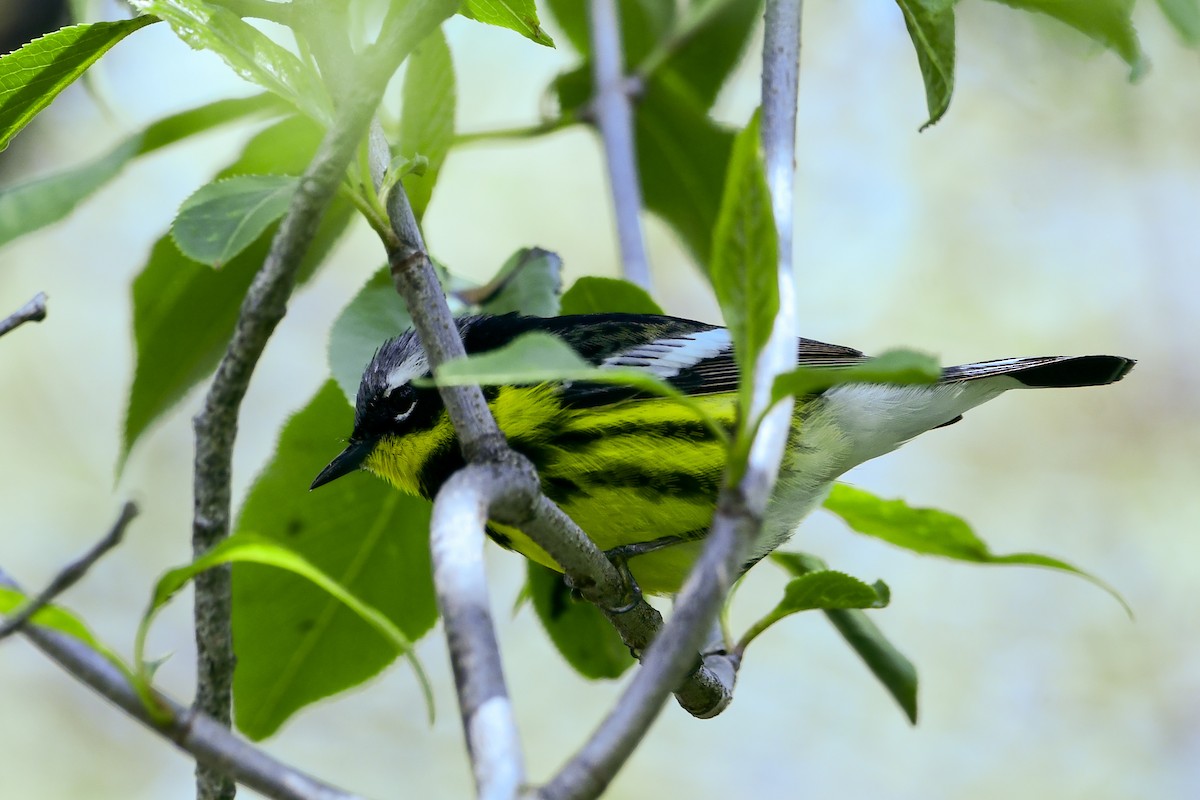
(1046, 371)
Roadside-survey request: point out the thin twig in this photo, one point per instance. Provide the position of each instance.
(70, 574)
(460, 513)
(739, 511)
(520, 132)
(614, 117)
(207, 740)
(263, 308)
(33, 311)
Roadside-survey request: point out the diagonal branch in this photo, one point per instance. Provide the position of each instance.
(207, 740)
(262, 309)
(70, 574)
(708, 688)
(614, 117)
(33, 311)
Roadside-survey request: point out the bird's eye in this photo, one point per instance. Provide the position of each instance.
(406, 413)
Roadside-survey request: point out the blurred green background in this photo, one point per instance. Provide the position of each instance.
(1056, 209)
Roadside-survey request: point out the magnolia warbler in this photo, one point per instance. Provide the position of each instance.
(631, 468)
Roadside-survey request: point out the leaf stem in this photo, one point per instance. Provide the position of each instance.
(518, 132)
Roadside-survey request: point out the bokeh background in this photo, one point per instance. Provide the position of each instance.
(1056, 209)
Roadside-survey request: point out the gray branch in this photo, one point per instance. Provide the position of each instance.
(668, 660)
(739, 511)
(70, 575)
(709, 688)
(459, 515)
(262, 309)
(611, 110)
(33, 311)
(210, 742)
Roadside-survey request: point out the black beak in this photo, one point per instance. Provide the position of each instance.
(347, 461)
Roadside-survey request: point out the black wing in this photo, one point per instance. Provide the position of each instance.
(697, 358)
(693, 357)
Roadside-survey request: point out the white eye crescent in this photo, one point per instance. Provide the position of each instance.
(403, 415)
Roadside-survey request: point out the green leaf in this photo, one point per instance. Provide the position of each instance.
(682, 159)
(831, 589)
(815, 586)
(176, 127)
(245, 49)
(897, 367)
(1107, 22)
(578, 629)
(427, 121)
(518, 15)
(59, 619)
(530, 358)
(530, 283)
(33, 75)
(246, 548)
(930, 25)
(592, 295)
(296, 643)
(34, 204)
(644, 23)
(819, 589)
(1184, 16)
(223, 218)
(184, 313)
(889, 665)
(708, 43)
(932, 532)
(744, 264)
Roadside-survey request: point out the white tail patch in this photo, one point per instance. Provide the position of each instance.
(877, 419)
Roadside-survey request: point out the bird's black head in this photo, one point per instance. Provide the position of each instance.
(387, 403)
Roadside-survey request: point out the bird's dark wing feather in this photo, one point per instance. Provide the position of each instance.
(720, 373)
(1047, 371)
(695, 358)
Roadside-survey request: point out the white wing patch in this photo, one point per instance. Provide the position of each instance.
(666, 358)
